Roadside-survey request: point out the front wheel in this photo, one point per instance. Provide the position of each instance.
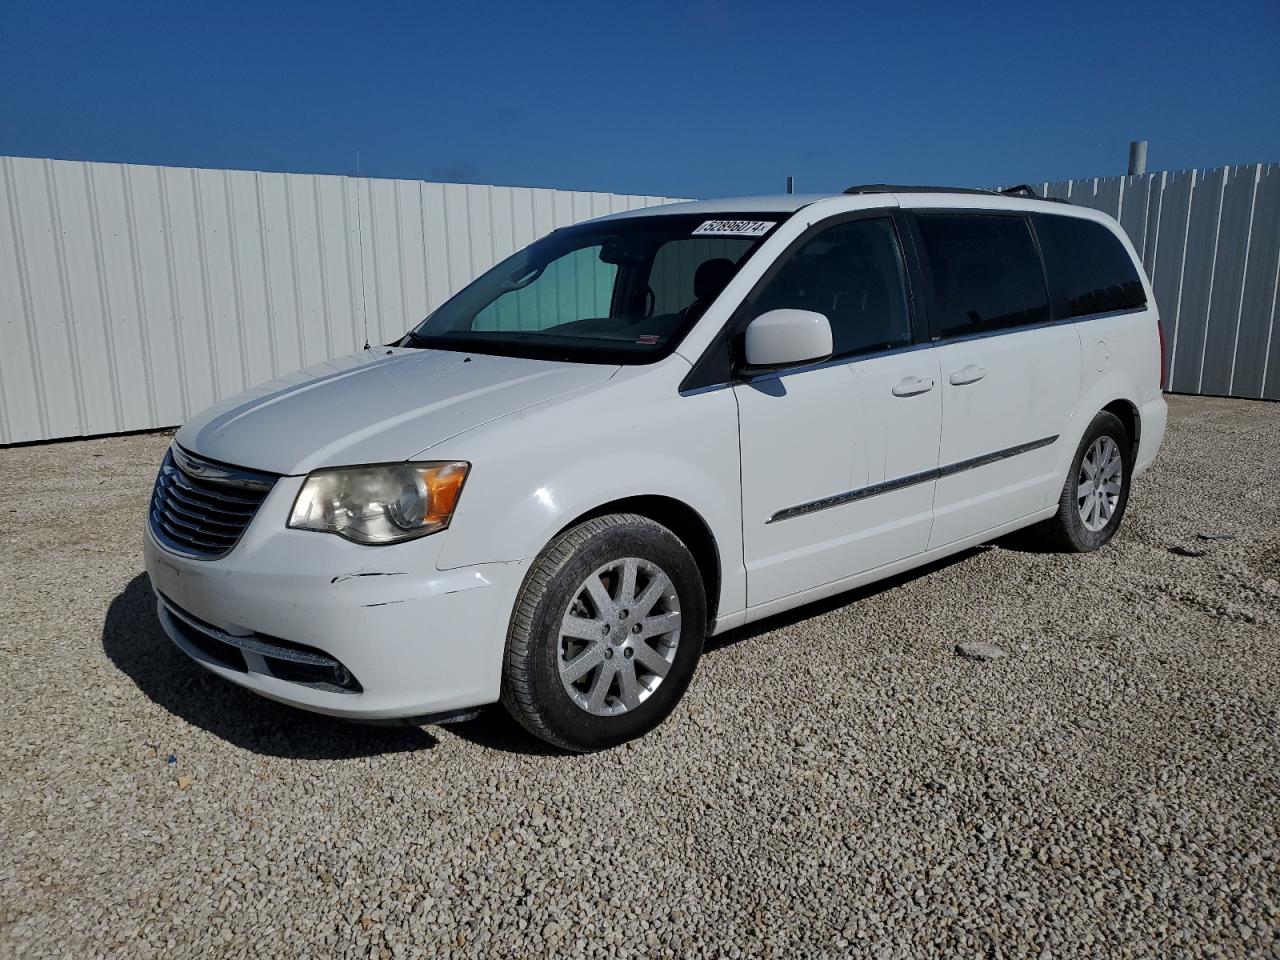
(1096, 490)
(606, 633)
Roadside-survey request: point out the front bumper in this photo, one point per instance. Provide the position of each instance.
(416, 640)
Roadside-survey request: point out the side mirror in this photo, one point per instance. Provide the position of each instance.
(786, 338)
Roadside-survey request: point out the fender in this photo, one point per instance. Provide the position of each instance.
(635, 436)
(1116, 354)
(1112, 386)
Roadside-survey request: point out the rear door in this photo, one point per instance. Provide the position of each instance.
(1010, 377)
(838, 458)
(1094, 282)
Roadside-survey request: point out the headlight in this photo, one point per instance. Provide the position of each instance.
(386, 503)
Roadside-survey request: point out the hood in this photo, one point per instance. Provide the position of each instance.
(379, 405)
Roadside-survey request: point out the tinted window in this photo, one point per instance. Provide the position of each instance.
(678, 264)
(1089, 269)
(986, 273)
(852, 274)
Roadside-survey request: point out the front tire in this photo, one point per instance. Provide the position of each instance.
(1096, 490)
(605, 635)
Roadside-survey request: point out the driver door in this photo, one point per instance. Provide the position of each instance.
(839, 459)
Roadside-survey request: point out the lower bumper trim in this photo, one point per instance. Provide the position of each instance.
(283, 660)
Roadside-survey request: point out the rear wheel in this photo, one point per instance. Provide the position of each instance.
(606, 633)
(1096, 490)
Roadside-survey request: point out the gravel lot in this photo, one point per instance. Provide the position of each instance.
(839, 782)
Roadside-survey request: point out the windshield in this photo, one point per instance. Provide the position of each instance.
(620, 291)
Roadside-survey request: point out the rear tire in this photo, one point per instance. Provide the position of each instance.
(606, 634)
(1096, 491)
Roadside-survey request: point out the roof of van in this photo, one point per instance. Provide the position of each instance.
(778, 203)
(791, 202)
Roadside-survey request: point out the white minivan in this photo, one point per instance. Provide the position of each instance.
(651, 428)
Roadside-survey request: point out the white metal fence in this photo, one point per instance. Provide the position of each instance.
(133, 296)
(1210, 241)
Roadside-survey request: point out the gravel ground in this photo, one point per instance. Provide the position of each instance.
(838, 782)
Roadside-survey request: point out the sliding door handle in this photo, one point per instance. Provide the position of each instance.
(971, 373)
(911, 386)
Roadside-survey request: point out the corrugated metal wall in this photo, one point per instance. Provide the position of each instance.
(1210, 241)
(133, 296)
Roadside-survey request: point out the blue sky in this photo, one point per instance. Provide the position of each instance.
(705, 98)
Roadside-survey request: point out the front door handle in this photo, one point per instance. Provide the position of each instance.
(911, 386)
(971, 373)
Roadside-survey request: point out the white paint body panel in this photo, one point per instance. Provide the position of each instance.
(822, 433)
(1027, 387)
(420, 640)
(423, 624)
(374, 406)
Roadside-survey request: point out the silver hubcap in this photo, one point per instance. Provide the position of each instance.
(1098, 486)
(618, 638)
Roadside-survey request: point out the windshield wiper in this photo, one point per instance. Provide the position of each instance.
(413, 338)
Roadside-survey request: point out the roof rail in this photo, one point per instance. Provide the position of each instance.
(1021, 190)
(1026, 190)
(899, 188)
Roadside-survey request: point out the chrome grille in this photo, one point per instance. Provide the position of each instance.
(200, 508)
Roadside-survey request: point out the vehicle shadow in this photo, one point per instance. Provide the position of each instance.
(1026, 540)
(133, 640)
(818, 607)
(495, 729)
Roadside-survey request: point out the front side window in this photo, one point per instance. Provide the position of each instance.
(617, 291)
(986, 273)
(852, 274)
(1089, 269)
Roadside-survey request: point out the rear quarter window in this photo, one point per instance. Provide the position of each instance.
(986, 273)
(1088, 267)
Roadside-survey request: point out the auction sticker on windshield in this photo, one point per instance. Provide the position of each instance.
(733, 228)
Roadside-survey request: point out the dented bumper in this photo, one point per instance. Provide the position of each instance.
(283, 605)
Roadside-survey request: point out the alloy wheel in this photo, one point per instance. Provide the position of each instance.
(618, 637)
(1099, 482)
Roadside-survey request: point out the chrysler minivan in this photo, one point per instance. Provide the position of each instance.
(648, 429)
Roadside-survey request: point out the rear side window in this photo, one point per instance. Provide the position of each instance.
(1089, 269)
(986, 273)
